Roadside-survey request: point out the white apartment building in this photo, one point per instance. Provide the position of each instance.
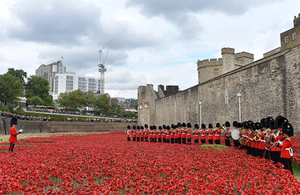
(70, 81)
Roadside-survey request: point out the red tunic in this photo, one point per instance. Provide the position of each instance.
(189, 134)
(210, 135)
(179, 133)
(168, 135)
(159, 134)
(196, 135)
(172, 134)
(279, 137)
(13, 135)
(286, 147)
(262, 144)
(217, 134)
(128, 133)
(183, 135)
(202, 134)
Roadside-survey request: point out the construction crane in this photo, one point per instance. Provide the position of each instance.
(101, 66)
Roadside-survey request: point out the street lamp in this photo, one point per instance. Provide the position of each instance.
(240, 111)
(200, 103)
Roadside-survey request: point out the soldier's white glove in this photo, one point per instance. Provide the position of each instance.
(21, 130)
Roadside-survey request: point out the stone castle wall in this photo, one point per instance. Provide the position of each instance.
(61, 127)
(268, 87)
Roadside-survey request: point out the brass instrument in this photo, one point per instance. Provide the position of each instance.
(256, 137)
(223, 130)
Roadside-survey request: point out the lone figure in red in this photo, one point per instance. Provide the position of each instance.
(13, 134)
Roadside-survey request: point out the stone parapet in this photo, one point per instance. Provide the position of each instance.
(210, 62)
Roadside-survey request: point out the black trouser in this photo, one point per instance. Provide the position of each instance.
(164, 140)
(133, 139)
(146, 139)
(203, 141)
(138, 139)
(287, 163)
(227, 142)
(142, 139)
(248, 150)
(184, 140)
(217, 141)
(176, 140)
(189, 141)
(154, 140)
(179, 140)
(210, 141)
(172, 140)
(236, 143)
(11, 147)
(196, 141)
(159, 139)
(168, 140)
(277, 157)
(128, 138)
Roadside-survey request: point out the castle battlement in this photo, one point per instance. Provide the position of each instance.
(210, 62)
(244, 55)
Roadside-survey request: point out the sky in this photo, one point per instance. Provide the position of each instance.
(153, 41)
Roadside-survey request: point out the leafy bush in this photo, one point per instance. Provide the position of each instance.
(20, 111)
(4, 108)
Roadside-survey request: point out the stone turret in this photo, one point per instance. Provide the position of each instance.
(228, 59)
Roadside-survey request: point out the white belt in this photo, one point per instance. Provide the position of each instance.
(286, 148)
(217, 135)
(263, 140)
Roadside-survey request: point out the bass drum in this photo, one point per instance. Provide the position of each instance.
(235, 134)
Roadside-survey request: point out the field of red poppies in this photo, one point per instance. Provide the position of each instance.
(108, 164)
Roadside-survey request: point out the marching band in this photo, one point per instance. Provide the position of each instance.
(269, 138)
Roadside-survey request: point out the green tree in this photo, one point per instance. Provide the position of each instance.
(73, 100)
(90, 99)
(36, 100)
(135, 105)
(38, 86)
(10, 89)
(19, 74)
(102, 103)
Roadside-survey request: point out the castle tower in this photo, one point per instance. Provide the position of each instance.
(228, 59)
(291, 38)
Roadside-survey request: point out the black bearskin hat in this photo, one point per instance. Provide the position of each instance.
(235, 124)
(159, 127)
(189, 125)
(203, 126)
(268, 119)
(128, 127)
(134, 127)
(168, 127)
(287, 128)
(138, 127)
(142, 127)
(262, 123)
(196, 126)
(13, 121)
(279, 121)
(210, 126)
(164, 127)
(258, 126)
(218, 125)
(154, 127)
(172, 126)
(179, 125)
(183, 125)
(227, 124)
(146, 126)
(246, 125)
(272, 124)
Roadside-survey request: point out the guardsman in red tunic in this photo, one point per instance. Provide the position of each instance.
(183, 133)
(227, 139)
(189, 133)
(138, 133)
(266, 133)
(278, 137)
(155, 134)
(159, 136)
(146, 133)
(134, 133)
(217, 134)
(210, 133)
(179, 133)
(196, 134)
(142, 134)
(203, 133)
(13, 134)
(175, 133)
(128, 132)
(257, 139)
(286, 146)
(172, 134)
(168, 136)
(164, 133)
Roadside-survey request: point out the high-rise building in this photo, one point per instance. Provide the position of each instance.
(49, 71)
(66, 82)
